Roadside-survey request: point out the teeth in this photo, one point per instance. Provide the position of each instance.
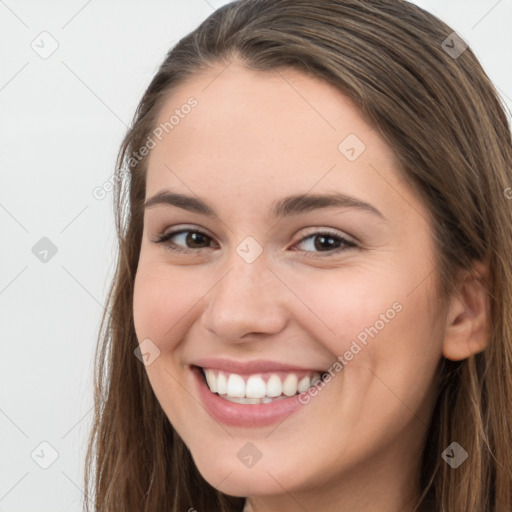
(290, 385)
(210, 378)
(255, 387)
(233, 387)
(304, 384)
(252, 401)
(274, 386)
(222, 383)
(236, 386)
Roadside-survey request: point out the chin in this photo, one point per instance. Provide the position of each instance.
(229, 475)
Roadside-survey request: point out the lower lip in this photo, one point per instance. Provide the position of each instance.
(243, 415)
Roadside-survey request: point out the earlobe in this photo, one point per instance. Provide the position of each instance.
(468, 319)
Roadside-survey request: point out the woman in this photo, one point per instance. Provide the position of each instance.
(312, 303)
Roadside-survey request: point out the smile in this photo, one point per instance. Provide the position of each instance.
(260, 388)
(252, 394)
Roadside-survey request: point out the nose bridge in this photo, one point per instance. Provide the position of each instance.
(246, 299)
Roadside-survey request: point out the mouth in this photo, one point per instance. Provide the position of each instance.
(259, 388)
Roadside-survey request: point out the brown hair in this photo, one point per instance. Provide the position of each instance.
(445, 121)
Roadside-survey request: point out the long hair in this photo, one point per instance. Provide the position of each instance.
(432, 102)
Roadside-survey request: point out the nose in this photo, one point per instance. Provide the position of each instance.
(248, 301)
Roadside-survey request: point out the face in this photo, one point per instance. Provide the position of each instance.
(263, 295)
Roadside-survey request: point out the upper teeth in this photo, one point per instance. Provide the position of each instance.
(235, 386)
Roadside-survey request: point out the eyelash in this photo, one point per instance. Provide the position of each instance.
(176, 248)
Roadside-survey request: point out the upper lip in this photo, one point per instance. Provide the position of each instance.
(248, 367)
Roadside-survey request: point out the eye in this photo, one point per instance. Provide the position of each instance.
(326, 241)
(188, 236)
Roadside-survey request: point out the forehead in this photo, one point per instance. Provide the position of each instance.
(262, 110)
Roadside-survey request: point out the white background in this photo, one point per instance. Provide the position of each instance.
(62, 120)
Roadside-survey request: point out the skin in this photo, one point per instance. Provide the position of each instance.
(255, 137)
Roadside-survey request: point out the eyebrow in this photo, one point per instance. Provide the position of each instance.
(287, 206)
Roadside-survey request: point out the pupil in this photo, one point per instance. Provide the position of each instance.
(323, 239)
(193, 236)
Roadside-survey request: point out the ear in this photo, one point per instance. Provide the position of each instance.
(468, 319)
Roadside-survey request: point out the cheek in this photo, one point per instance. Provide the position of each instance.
(381, 323)
(357, 302)
(163, 303)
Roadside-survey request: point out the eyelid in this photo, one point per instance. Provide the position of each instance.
(346, 241)
(316, 230)
(307, 231)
